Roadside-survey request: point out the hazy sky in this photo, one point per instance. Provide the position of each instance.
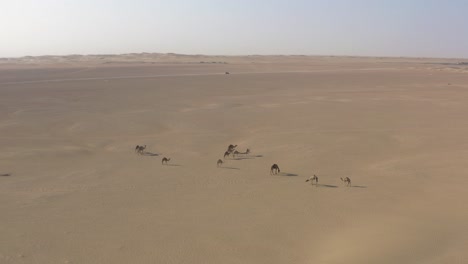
(431, 28)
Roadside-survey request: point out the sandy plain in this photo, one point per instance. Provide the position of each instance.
(72, 190)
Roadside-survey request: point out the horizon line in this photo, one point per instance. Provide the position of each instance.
(239, 55)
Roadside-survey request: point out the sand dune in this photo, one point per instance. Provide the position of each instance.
(74, 191)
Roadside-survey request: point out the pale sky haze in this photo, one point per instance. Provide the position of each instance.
(416, 28)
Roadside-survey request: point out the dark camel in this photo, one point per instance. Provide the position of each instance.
(140, 149)
(274, 169)
(231, 148)
(165, 160)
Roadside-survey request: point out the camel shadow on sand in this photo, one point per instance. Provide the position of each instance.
(245, 157)
(5, 175)
(229, 168)
(288, 174)
(150, 154)
(357, 186)
(325, 185)
(173, 165)
(242, 158)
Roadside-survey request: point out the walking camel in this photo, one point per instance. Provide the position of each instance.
(140, 149)
(346, 181)
(231, 148)
(219, 163)
(165, 160)
(274, 169)
(313, 179)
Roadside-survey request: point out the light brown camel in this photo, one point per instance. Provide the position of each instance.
(346, 181)
(313, 179)
(165, 160)
(274, 169)
(219, 163)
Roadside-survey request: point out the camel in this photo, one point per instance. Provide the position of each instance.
(140, 149)
(165, 160)
(240, 153)
(219, 163)
(346, 181)
(313, 179)
(231, 148)
(274, 169)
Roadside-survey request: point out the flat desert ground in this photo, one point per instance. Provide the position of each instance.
(72, 189)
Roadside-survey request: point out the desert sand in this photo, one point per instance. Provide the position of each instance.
(73, 190)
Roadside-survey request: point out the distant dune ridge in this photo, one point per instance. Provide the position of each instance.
(111, 159)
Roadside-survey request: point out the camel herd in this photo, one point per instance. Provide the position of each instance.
(231, 151)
